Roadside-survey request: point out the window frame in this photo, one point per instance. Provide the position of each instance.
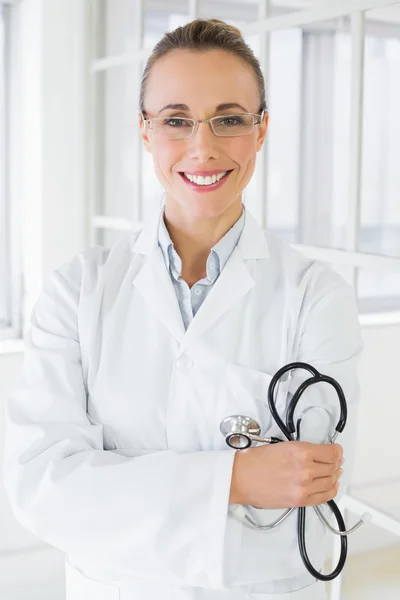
(12, 328)
(4, 262)
(349, 15)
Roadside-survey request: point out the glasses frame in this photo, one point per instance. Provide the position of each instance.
(148, 121)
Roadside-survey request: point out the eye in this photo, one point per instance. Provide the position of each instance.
(174, 122)
(233, 120)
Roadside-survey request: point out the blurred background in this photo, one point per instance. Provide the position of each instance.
(73, 174)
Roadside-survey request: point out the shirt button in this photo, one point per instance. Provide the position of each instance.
(184, 363)
(197, 291)
(212, 266)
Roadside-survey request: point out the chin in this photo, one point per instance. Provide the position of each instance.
(209, 210)
(201, 206)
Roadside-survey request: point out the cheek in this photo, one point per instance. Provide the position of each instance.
(245, 153)
(164, 159)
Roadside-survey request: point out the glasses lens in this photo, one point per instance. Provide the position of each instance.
(233, 125)
(174, 128)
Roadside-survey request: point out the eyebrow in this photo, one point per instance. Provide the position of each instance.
(184, 107)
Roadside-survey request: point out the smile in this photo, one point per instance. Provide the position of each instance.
(205, 184)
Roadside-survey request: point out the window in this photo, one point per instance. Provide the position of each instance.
(327, 180)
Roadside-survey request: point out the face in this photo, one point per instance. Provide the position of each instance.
(202, 81)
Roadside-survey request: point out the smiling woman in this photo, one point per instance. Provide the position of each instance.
(137, 352)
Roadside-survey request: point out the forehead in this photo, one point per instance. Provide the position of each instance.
(201, 80)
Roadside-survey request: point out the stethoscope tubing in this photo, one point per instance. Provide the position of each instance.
(240, 431)
(301, 536)
(288, 430)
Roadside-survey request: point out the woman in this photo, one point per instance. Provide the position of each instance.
(137, 352)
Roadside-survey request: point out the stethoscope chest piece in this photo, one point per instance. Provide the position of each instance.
(237, 430)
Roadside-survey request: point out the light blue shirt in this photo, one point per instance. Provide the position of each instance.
(190, 299)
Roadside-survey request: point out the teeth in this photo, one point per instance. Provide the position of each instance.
(205, 180)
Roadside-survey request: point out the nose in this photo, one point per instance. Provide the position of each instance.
(203, 144)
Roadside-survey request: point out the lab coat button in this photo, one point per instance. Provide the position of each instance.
(184, 363)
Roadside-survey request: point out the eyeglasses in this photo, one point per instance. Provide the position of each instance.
(178, 128)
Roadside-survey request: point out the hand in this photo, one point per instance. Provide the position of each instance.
(287, 474)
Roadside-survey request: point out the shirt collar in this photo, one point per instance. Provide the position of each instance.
(221, 251)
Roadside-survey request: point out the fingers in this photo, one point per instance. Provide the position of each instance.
(327, 453)
(324, 469)
(325, 484)
(322, 497)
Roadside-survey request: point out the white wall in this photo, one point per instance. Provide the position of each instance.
(54, 163)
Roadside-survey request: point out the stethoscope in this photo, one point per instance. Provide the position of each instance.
(241, 431)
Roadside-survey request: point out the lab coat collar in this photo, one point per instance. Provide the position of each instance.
(154, 282)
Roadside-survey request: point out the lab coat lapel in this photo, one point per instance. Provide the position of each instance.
(233, 283)
(155, 285)
(153, 281)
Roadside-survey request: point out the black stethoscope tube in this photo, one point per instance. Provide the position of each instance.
(288, 430)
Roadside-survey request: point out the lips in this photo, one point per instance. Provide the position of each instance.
(206, 173)
(206, 188)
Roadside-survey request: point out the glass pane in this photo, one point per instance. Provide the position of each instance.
(160, 18)
(282, 141)
(325, 128)
(307, 169)
(283, 138)
(380, 207)
(236, 12)
(115, 18)
(339, 178)
(116, 165)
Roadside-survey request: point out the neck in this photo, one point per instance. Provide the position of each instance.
(193, 238)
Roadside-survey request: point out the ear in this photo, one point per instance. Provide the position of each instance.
(262, 131)
(144, 133)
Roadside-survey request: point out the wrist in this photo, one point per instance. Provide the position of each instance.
(236, 494)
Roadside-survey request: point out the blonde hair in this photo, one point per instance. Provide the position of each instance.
(200, 35)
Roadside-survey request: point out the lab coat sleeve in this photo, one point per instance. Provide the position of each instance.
(158, 516)
(331, 341)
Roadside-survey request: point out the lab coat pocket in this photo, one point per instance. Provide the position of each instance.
(246, 394)
(247, 391)
(112, 441)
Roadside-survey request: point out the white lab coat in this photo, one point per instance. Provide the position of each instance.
(113, 450)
